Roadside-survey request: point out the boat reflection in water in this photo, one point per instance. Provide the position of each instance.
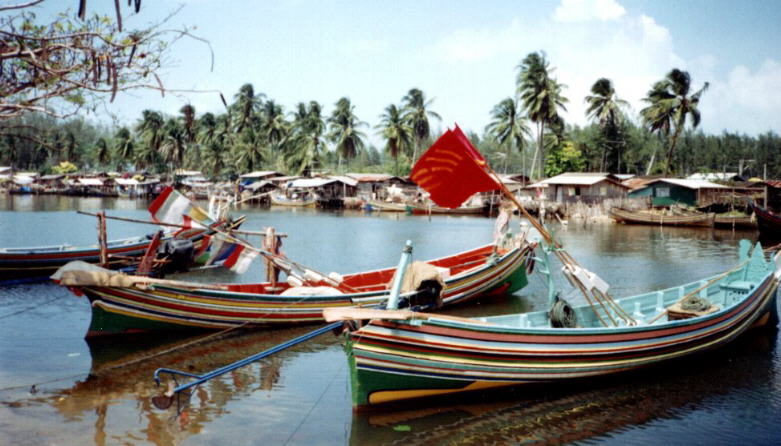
(121, 376)
(610, 408)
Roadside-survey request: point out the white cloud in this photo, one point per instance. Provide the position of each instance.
(571, 11)
(475, 69)
(745, 101)
(469, 45)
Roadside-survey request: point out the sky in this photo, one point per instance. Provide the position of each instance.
(464, 54)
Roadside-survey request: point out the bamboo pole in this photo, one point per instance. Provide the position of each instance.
(175, 225)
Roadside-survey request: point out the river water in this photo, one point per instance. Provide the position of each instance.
(55, 388)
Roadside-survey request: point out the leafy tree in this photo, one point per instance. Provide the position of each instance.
(540, 95)
(670, 105)
(397, 132)
(564, 158)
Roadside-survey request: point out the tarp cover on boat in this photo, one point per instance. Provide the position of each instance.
(419, 272)
(79, 273)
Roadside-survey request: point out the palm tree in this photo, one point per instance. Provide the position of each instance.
(102, 152)
(307, 138)
(540, 95)
(604, 107)
(344, 133)
(246, 105)
(123, 146)
(273, 125)
(670, 106)
(397, 133)
(173, 145)
(188, 122)
(151, 129)
(416, 114)
(508, 127)
(206, 129)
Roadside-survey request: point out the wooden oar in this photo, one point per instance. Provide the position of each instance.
(164, 401)
(359, 314)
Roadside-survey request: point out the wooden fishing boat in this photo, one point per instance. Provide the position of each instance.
(730, 221)
(648, 218)
(302, 201)
(403, 355)
(42, 262)
(769, 224)
(423, 209)
(124, 304)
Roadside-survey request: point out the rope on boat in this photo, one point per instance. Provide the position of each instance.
(603, 299)
(695, 303)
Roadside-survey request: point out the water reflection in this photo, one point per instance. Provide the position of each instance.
(301, 396)
(120, 387)
(592, 409)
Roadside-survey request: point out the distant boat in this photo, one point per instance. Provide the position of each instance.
(400, 355)
(769, 224)
(648, 218)
(300, 201)
(423, 209)
(741, 221)
(41, 262)
(120, 305)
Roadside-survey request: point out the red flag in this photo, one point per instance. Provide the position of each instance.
(452, 170)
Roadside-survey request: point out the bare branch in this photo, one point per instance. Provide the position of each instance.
(20, 6)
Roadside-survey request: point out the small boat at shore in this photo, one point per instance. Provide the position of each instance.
(125, 304)
(649, 218)
(769, 224)
(423, 209)
(33, 263)
(731, 221)
(295, 201)
(402, 355)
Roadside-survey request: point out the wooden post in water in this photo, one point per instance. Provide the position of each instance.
(102, 239)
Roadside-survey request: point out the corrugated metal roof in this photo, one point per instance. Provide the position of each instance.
(692, 184)
(261, 174)
(318, 182)
(369, 177)
(579, 178)
(90, 182)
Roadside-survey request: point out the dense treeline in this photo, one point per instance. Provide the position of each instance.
(256, 133)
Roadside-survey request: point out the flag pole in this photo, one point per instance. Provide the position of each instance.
(601, 296)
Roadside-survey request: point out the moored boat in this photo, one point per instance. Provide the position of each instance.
(32, 263)
(648, 218)
(729, 221)
(125, 304)
(296, 201)
(423, 209)
(402, 355)
(768, 223)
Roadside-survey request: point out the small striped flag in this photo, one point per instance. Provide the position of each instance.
(173, 207)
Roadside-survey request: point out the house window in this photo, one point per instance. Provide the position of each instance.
(603, 190)
(570, 191)
(663, 192)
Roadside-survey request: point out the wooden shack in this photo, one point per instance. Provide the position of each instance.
(582, 187)
(670, 191)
